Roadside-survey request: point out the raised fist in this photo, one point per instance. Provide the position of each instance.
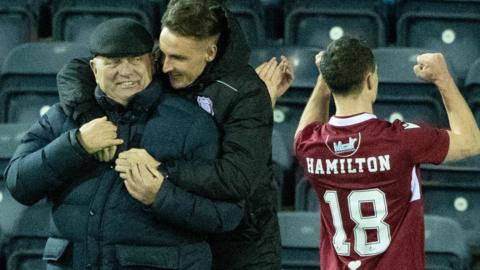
(431, 67)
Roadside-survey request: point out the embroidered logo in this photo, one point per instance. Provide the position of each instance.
(206, 104)
(340, 147)
(344, 147)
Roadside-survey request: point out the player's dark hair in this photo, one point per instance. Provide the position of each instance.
(195, 18)
(345, 64)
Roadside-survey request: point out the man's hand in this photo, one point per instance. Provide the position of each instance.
(106, 154)
(432, 67)
(97, 135)
(321, 86)
(143, 183)
(278, 77)
(318, 59)
(127, 159)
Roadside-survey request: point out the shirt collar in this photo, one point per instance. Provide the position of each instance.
(350, 120)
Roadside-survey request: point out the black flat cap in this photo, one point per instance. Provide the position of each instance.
(120, 37)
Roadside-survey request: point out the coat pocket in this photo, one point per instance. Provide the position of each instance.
(55, 249)
(147, 257)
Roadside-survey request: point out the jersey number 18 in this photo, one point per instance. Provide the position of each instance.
(363, 223)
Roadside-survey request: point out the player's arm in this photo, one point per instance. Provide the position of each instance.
(464, 133)
(317, 106)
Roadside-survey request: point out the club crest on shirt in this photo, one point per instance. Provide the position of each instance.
(206, 104)
(344, 147)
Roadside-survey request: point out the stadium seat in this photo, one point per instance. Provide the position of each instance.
(10, 136)
(401, 94)
(300, 234)
(74, 20)
(282, 161)
(18, 24)
(251, 16)
(24, 250)
(28, 81)
(306, 198)
(10, 212)
(445, 244)
(452, 27)
(274, 20)
(472, 89)
(318, 22)
(454, 191)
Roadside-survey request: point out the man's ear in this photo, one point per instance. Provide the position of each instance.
(370, 81)
(211, 52)
(93, 67)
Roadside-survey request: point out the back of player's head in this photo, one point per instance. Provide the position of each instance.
(195, 18)
(345, 64)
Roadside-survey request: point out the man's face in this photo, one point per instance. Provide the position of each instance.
(184, 58)
(122, 77)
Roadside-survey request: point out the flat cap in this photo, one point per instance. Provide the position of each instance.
(120, 37)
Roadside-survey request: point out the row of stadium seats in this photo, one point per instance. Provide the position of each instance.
(28, 88)
(453, 28)
(445, 242)
(24, 232)
(28, 84)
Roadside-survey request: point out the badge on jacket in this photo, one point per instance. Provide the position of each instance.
(206, 104)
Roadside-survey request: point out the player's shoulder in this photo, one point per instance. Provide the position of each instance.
(397, 126)
(312, 128)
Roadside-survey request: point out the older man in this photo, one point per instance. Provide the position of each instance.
(100, 220)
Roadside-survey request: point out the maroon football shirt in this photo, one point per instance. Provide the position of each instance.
(365, 173)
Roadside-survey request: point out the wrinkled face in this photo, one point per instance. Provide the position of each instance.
(184, 58)
(122, 77)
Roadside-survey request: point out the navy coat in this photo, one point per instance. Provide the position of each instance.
(95, 222)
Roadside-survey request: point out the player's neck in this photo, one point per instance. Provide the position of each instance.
(350, 106)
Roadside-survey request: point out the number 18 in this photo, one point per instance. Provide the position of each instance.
(363, 223)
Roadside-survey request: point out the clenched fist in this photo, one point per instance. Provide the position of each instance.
(318, 60)
(432, 67)
(97, 135)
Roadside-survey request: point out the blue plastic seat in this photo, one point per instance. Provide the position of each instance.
(318, 22)
(10, 137)
(18, 24)
(24, 249)
(454, 191)
(472, 89)
(251, 16)
(401, 94)
(28, 80)
(445, 244)
(74, 20)
(306, 199)
(300, 234)
(452, 27)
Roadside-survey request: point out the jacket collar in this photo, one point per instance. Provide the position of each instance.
(140, 102)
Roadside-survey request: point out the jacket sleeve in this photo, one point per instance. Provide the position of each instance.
(189, 210)
(246, 152)
(44, 161)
